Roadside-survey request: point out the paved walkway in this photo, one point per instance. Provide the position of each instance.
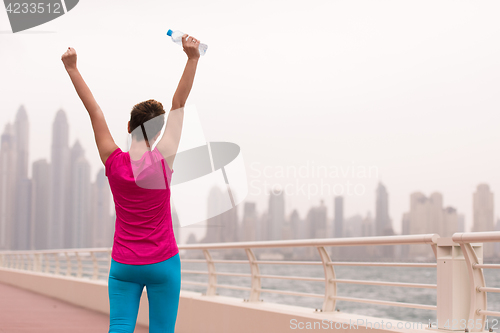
(22, 311)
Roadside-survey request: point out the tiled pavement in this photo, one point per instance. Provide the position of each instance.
(23, 311)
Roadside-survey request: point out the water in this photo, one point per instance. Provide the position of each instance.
(177, 38)
(392, 274)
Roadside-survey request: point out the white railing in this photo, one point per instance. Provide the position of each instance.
(330, 295)
(478, 298)
(461, 253)
(94, 263)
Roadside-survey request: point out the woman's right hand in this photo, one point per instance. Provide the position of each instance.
(190, 46)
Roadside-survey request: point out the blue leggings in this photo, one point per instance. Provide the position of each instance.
(163, 286)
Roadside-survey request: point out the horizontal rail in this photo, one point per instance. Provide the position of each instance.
(284, 262)
(227, 286)
(300, 278)
(229, 261)
(488, 290)
(487, 266)
(293, 293)
(195, 283)
(482, 237)
(349, 241)
(389, 264)
(391, 284)
(489, 313)
(61, 251)
(193, 272)
(374, 301)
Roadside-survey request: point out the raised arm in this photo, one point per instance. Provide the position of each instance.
(169, 142)
(105, 143)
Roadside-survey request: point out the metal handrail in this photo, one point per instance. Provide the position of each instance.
(478, 290)
(87, 263)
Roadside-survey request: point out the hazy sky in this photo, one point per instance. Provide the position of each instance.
(408, 87)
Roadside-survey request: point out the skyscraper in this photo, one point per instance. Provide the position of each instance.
(338, 220)
(77, 229)
(102, 225)
(316, 226)
(23, 184)
(483, 208)
(276, 215)
(40, 205)
(297, 225)
(316, 221)
(383, 223)
(79, 223)
(7, 187)
(222, 227)
(59, 180)
(21, 129)
(427, 215)
(249, 223)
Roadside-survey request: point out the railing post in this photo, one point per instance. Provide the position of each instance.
(254, 269)
(473, 254)
(79, 263)
(212, 278)
(58, 264)
(45, 260)
(456, 285)
(68, 264)
(96, 267)
(330, 285)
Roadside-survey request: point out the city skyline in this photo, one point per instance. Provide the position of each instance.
(72, 170)
(423, 110)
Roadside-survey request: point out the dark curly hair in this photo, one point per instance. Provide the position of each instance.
(143, 113)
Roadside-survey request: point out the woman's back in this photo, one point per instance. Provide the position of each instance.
(141, 192)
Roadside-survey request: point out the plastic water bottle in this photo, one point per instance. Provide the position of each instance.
(177, 38)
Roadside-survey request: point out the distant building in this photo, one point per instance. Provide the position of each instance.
(222, 227)
(276, 214)
(297, 225)
(383, 223)
(461, 223)
(249, 224)
(7, 187)
(102, 224)
(76, 226)
(483, 210)
(40, 208)
(427, 215)
(316, 221)
(338, 220)
(59, 180)
(22, 232)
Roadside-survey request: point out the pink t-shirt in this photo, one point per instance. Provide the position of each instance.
(141, 192)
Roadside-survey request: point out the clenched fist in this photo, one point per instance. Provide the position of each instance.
(69, 58)
(190, 46)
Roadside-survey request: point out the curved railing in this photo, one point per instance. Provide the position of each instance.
(475, 266)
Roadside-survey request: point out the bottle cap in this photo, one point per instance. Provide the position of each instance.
(169, 32)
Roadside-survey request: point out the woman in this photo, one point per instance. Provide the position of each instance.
(144, 250)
